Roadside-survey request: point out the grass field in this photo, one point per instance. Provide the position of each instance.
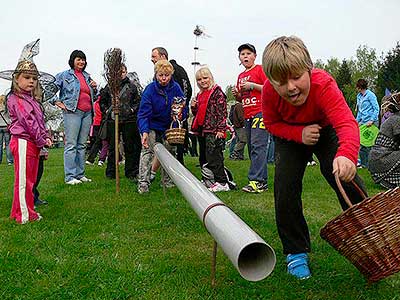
(93, 244)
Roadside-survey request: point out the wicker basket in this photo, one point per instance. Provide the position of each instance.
(175, 136)
(368, 233)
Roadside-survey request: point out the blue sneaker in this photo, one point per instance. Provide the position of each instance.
(297, 265)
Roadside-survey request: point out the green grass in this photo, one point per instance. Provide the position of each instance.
(93, 244)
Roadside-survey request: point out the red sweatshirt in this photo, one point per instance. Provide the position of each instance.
(325, 105)
(251, 100)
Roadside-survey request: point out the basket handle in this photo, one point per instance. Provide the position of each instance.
(342, 191)
(177, 121)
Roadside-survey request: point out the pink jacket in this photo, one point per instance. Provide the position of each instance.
(27, 120)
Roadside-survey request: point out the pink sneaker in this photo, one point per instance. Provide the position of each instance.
(218, 187)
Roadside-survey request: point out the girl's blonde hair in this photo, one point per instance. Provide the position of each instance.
(163, 65)
(36, 93)
(285, 57)
(205, 71)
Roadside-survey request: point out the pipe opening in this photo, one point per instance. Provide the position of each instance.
(256, 261)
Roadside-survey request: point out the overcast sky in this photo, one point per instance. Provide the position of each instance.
(328, 28)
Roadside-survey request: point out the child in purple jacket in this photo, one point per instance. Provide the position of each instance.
(28, 136)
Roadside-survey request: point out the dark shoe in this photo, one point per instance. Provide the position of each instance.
(39, 202)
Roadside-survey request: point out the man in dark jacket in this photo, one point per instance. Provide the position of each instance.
(181, 77)
(129, 104)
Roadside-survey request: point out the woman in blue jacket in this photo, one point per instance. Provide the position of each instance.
(76, 101)
(154, 118)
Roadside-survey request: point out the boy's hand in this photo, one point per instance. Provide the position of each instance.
(310, 134)
(345, 168)
(247, 86)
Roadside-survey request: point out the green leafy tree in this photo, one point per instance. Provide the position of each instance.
(366, 65)
(333, 67)
(389, 72)
(319, 64)
(345, 84)
(344, 75)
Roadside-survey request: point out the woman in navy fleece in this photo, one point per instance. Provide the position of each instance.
(154, 118)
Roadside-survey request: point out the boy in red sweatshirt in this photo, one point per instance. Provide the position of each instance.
(307, 113)
(248, 92)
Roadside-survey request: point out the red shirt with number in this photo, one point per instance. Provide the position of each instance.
(251, 100)
(325, 105)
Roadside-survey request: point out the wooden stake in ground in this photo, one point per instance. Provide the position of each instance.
(113, 62)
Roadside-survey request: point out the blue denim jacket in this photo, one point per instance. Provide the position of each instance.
(69, 87)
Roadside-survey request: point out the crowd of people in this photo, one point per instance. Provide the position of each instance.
(287, 111)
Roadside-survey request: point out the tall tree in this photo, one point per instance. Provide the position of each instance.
(344, 75)
(366, 65)
(345, 84)
(332, 66)
(389, 72)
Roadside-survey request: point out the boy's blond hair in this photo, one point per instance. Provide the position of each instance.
(163, 65)
(285, 57)
(204, 71)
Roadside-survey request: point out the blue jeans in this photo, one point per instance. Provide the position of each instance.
(363, 154)
(258, 144)
(77, 126)
(5, 138)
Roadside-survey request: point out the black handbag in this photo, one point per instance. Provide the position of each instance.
(103, 125)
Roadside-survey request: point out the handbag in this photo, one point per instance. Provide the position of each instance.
(103, 125)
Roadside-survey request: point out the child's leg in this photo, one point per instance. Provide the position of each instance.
(104, 150)
(215, 157)
(202, 150)
(38, 178)
(290, 164)
(325, 150)
(146, 160)
(26, 161)
(259, 141)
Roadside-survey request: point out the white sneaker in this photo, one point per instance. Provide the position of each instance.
(89, 163)
(152, 176)
(73, 182)
(100, 163)
(218, 187)
(85, 179)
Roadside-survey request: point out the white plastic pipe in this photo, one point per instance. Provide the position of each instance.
(249, 253)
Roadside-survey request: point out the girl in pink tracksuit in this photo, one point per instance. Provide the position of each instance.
(28, 136)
